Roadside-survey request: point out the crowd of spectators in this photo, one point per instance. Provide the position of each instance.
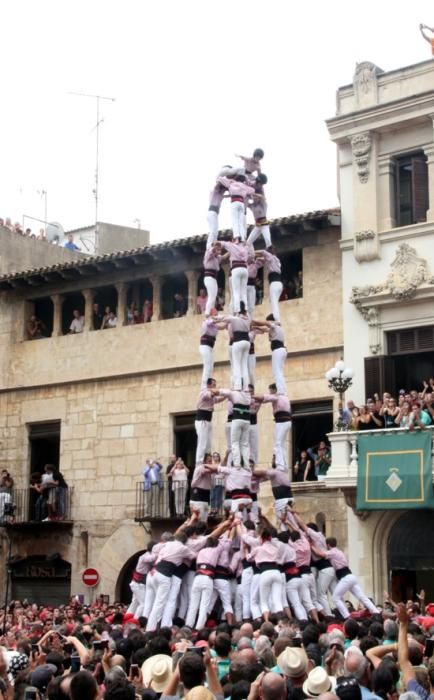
(87, 652)
(18, 229)
(411, 409)
(313, 463)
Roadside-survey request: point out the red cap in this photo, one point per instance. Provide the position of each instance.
(201, 643)
(430, 608)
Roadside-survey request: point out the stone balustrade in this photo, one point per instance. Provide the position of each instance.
(343, 470)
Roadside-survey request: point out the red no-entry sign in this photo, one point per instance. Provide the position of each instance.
(90, 577)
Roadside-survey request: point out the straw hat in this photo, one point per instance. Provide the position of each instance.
(157, 672)
(293, 662)
(199, 693)
(317, 682)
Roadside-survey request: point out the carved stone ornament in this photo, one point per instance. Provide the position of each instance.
(361, 147)
(365, 83)
(407, 273)
(366, 246)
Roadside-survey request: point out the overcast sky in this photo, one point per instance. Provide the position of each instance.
(195, 82)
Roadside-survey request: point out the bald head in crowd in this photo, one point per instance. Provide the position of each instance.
(273, 687)
(244, 643)
(246, 630)
(249, 656)
(328, 696)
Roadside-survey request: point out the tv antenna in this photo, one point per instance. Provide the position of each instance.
(99, 121)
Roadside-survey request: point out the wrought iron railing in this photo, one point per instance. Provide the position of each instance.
(161, 502)
(29, 506)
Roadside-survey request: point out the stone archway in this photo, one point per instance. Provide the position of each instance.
(128, 540)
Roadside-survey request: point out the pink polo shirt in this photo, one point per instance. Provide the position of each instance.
(211, 260)
(236, 189)
(201, 478)
(175, 552)
(269, 552)
(279, 401)
(209, 555)
(337, 558)
(272, 262)
(302, 549)
(238, 252)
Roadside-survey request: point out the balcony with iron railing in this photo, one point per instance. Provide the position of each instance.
(160, 502)
(27, 508)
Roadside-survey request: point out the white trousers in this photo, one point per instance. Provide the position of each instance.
(204, 436)
(151, 592)
(180, 493)
(208, 363)
(162, 585)
(246, 582)
(171, 602)
(280, 448)
(201, 593)
(255, 601)
(270, 591)
(138, 601)
(326, 581)
(238, 220)
(275, 292)
(251, 298)
(211, 290)
(263, 231)
(239, 288)
(350, 583)
(294, 593)
(251, 367)
(240, 442)
(253, 443)
(237, 600)
(213, 227)
(223, 588)
(310, 583)
(184, 599)
(240, 368)
(278, 358)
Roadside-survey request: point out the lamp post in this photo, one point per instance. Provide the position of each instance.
(339, 379)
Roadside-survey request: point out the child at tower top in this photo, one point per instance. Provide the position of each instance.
(252, 164)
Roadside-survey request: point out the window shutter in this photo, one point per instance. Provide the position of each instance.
(425, 338)
(419, 187)
(379, 375)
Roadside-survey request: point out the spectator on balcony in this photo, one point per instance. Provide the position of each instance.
(179, 474)
(110, 320)
(130, 313)
(77, 323)
(201, 301)
(403, 417)
(369, 418)
(36, 328)
(180, 305)
(61, 493)
(389, 411)
(18, 229)
(49, 484)
(170, 493)
(6, 482)
(303, 469)
(97, 317)
(298, 284)
(70, 245)
(418, 417)
(355, 417)
(152, 485)
(137, 317)
(148, 311)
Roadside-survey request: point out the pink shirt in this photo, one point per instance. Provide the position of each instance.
(209, 555)
(278, 477)
(201, 478)
(236, 479)
(196, 543)
(144, 563)
(238, 323)
(211, 260)
(272, 262)
(337, 558)
(289, 553)
(206, 400)
(276, 333)
(235, 396)
(279, 401)
(269, 551)
(216, 196)
(236, 189)
(238, 252)
(236, 565)
(318, 540)
(251, 540)
(209, 327)
(302, 549)
(225, 553)
(175, 552)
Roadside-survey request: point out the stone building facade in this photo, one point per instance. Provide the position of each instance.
(118, 396)
(383, 130)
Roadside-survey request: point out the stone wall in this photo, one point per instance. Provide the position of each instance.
(19, 253)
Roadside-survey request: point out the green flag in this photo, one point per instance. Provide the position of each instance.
(395, 471)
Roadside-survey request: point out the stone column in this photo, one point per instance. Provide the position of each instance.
(386, 193)
(192, 277)
(57, 300)
(89, 296)
(429, 152)
(121, 312)
(156, 297)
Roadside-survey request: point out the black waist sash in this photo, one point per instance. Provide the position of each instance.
(198, 494)
(241, 412)
(321, 564)
(268, 566)
(202, 414)
(166, 568)
(274, 277)
(207, 340)
(241, 335)
(281, 492)
(341, 573)
(275, 344)
(210, 273)
(282, 417)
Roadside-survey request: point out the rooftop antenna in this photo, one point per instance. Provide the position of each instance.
(98, 122)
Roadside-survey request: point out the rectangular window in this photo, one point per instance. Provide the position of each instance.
(411, 189)
(44, 441)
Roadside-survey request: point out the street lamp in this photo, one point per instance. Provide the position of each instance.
(339, 379)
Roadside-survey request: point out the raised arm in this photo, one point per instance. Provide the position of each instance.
(407, 670)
